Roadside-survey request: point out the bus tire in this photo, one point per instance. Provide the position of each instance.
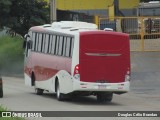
(39, 91)
(102, 97)
(60, 96)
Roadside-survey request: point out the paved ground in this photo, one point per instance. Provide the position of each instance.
(146, 75)
(144, 94)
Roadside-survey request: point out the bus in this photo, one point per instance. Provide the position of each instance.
(71, 58)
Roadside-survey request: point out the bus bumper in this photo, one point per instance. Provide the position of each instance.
(103, 87)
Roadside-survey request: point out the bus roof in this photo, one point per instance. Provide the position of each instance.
(70, 27)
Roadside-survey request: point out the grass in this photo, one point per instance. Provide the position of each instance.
(9, 118)
(11, 55)
(11, 60)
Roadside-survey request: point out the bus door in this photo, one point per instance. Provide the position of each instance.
(104, 57)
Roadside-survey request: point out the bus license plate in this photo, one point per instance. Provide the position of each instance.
(102, 86)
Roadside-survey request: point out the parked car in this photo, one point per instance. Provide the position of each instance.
(1, 88)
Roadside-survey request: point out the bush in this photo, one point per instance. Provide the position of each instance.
(11, 55)
(9, 118)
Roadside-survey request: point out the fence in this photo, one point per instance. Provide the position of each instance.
(144, 32)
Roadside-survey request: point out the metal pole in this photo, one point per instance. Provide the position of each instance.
(53, 11)
(116, 7)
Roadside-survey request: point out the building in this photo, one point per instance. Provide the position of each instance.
(97, 7)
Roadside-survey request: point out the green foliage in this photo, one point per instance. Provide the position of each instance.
(4, 11)
(27, 13)
(11, 55)
(4, 109)
(4, 6)
(20, 15)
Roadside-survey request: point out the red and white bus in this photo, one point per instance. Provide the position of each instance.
(75, 58)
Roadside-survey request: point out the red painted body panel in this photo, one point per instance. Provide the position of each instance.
(46, 66)
(104, 56)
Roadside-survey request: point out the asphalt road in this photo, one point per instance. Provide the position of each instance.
(144, 94)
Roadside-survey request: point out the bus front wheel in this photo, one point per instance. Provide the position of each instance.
(60, 96)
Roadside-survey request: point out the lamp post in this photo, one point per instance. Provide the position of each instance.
(53, 11)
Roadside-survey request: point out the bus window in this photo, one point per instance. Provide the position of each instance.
(64, 45)
(33, 39)
(57, 45)
(71, 47)
(50, 43)
(60, 45)
(37, 42)
(40, 42)
(68, 47)
(46, 43)
(53, 43)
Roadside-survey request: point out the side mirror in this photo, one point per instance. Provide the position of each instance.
(26, 36)
(25, 40)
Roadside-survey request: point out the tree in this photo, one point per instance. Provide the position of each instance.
(4, 11)
(27, 13)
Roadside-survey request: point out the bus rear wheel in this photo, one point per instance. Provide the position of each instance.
(60, 96)
(104, 97)
(39, 91)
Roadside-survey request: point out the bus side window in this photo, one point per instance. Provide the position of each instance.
(43, 42)
(63, 39)
(64, 45)
(39, 42)
(50, 44)
(53, 44)
(71, 46)
(68, 47)
(46, 43)
(49, 41)
(33, 39)
(60, 45)
(57, 44)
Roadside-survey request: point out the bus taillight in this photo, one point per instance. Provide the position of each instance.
(76, 72)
